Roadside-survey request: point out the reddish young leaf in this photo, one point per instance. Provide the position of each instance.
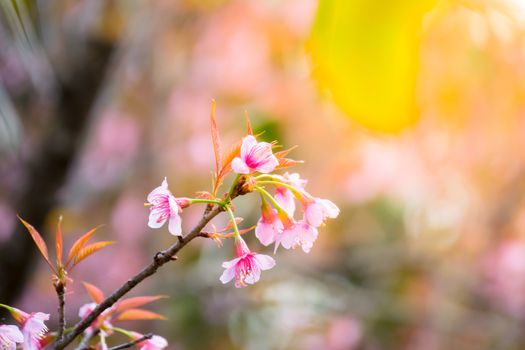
(58, 241)
(39, 241)
(90, 249)
(249, 130)
(139, 314)
(79, 243)
(226, 166)
(96, 294)
(282, 154)
(215, 137)
(131, 303)
(287, 163)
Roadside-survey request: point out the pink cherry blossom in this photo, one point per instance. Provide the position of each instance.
(255, 156)
(33, 329)
(268, 227)
(9, 336)
(297, 234)
(317, 210)
(156, 342)
(165, 207)
(247, 267)
(284, 196)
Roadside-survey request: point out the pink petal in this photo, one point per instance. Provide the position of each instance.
(12, 333)
(268, 165)
(265, 262)
(158, 341)
(239, 166)
(314, 214)
(231, 263)
(175, 225)
(285, 199)
(228, 274)
(330, 209)
(288, 238)
(161, 190)
(265, 232)
(254, 275)
(247, 144)
(155, 218)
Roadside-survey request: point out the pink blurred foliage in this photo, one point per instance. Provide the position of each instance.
(128, 220)
(232, 53)
(342, 333)
(111, 149)
(504, 271)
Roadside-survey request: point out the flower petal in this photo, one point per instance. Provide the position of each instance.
(12, 333)
(265, 262)
(248, 143)
(239, 166)
(331, 210)
(228, 274)
(285, 199)
(156, 218)
(160, 190)
(314, 214)
(268, 164)
(175, 225)
(231, 263)
(265, 232)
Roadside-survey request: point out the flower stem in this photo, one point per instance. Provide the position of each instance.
(201, 200)
(270, 197)
(295, 191)
(234, 223)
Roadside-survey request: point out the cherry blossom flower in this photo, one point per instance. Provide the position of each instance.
(33, 327)
(297, 234)
(246, 267)
(255, 156)
(156, 342)
(165, 207)
(9, 337)
(269, 226)
(317, 210)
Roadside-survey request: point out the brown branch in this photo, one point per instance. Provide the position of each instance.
(60, 288)
(84, 344)
(131, 343)
(159, 259)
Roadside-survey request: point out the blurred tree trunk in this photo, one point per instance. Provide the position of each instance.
(49, 166)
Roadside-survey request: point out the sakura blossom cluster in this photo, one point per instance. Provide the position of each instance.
(254, 164)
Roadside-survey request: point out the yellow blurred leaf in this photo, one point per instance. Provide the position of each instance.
(365, 53)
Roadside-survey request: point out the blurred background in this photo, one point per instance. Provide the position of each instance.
(409, 114)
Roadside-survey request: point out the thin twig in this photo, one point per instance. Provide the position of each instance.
(61, 289)
(131, 343)
(159, 259)
(84, 344)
